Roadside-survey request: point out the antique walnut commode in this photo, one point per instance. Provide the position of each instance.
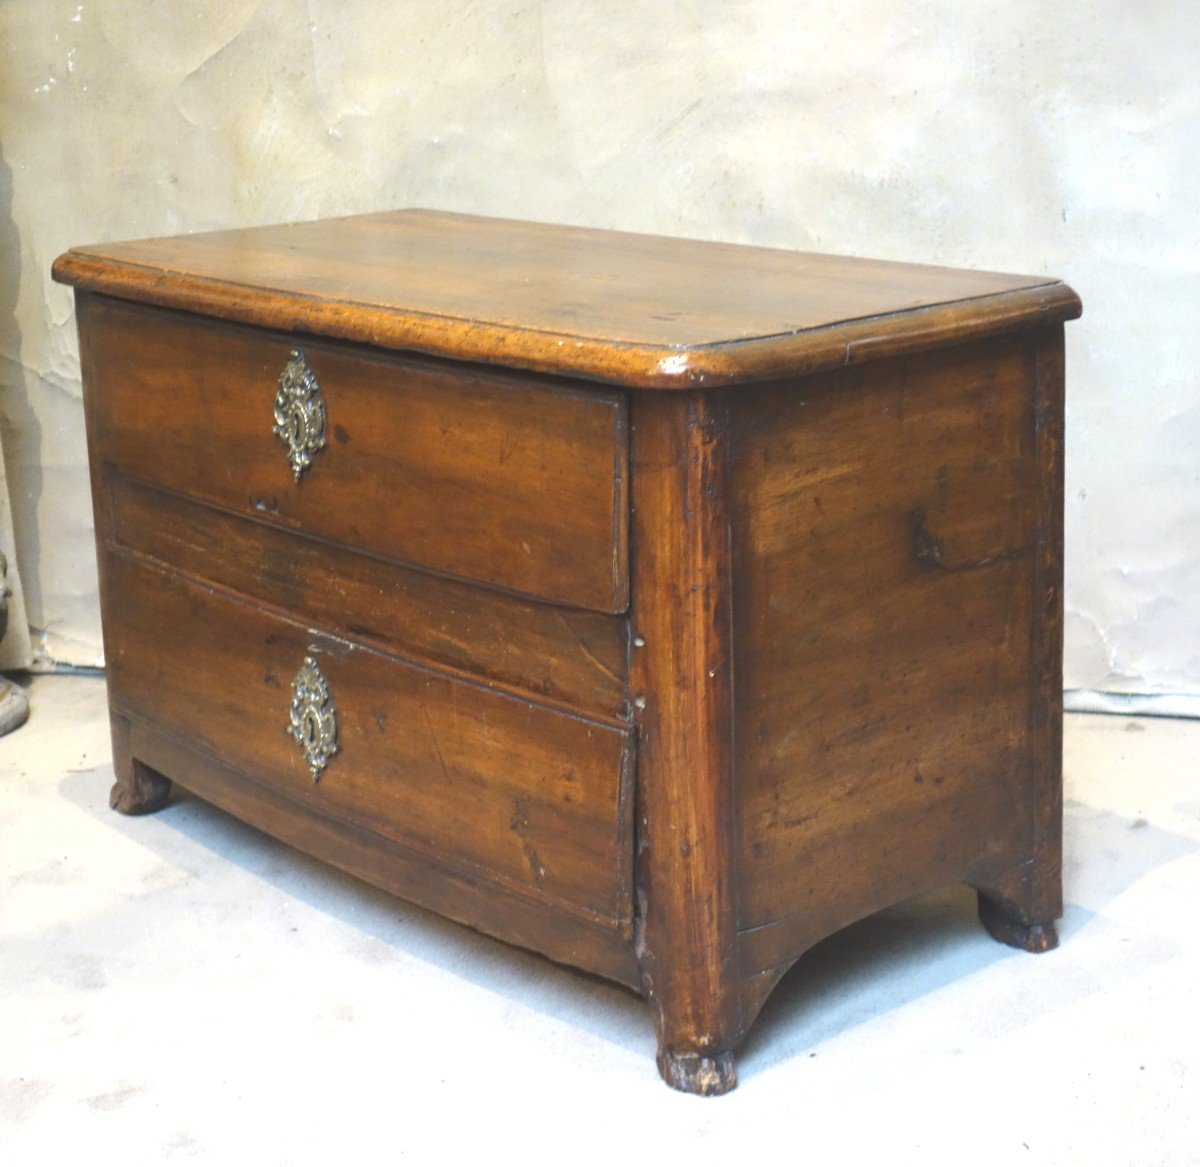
(658, 605)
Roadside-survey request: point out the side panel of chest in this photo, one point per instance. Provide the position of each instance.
(886, 542)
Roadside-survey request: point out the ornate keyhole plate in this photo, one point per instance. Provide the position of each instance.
(313, 719)
(299, 413)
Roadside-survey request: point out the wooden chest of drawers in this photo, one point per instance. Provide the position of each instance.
(656, 605)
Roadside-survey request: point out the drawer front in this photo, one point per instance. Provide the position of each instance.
(568, 657)
(488, 477)
(499, 788)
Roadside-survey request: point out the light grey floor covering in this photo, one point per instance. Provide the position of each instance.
(182, 988)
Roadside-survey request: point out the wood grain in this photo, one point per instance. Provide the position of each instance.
(637, 310)
(681, 679)
(819, 588)
(568, 658)
(138, 789)
(1020, 905)
(886, 537)
(1045, 903)
(513, 485)
(457, 893)
(533, 800)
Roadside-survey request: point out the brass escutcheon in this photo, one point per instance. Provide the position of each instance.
(313, 719)
(299, 413)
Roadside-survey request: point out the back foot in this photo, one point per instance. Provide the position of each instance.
(1004, 923)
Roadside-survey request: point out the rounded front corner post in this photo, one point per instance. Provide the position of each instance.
(681, 677)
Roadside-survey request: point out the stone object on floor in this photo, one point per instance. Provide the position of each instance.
(14, 705)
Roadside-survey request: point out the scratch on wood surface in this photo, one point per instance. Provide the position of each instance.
(574, 634)
(520, 824)
(437, 749)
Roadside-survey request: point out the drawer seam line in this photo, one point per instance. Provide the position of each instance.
(289, 617)
(366, 552)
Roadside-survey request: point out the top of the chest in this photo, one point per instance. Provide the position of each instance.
(638, 310)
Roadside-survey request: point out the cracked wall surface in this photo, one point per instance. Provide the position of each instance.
(1025, 137)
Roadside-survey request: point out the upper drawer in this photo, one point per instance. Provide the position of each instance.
(486, 476)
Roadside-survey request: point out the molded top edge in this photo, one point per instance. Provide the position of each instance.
(643, 311)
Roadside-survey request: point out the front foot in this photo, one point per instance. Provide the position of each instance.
(1005, 926)
(696, 1074)
(140, 791)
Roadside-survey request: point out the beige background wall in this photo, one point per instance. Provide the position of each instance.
(1022, 136)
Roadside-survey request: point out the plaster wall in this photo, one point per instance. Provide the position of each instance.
(1026, 137)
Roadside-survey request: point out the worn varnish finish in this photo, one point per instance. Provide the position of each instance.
(567, 657)
(886, 536)
(474, 778)
(493, 479)
(635, 310)
(1015, 905)
(666, 685)
(681, 679)
(458, 892)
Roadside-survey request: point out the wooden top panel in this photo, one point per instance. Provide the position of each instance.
(638, 310)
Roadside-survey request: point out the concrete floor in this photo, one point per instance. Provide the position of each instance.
(182, 987)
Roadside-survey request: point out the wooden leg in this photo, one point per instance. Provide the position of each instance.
(1008, 924)
(681, 672)
(1020, 908)
(138, 789)
(696, 1074)
(696, 1016)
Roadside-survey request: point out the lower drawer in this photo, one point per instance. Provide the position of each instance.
(503, 789)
